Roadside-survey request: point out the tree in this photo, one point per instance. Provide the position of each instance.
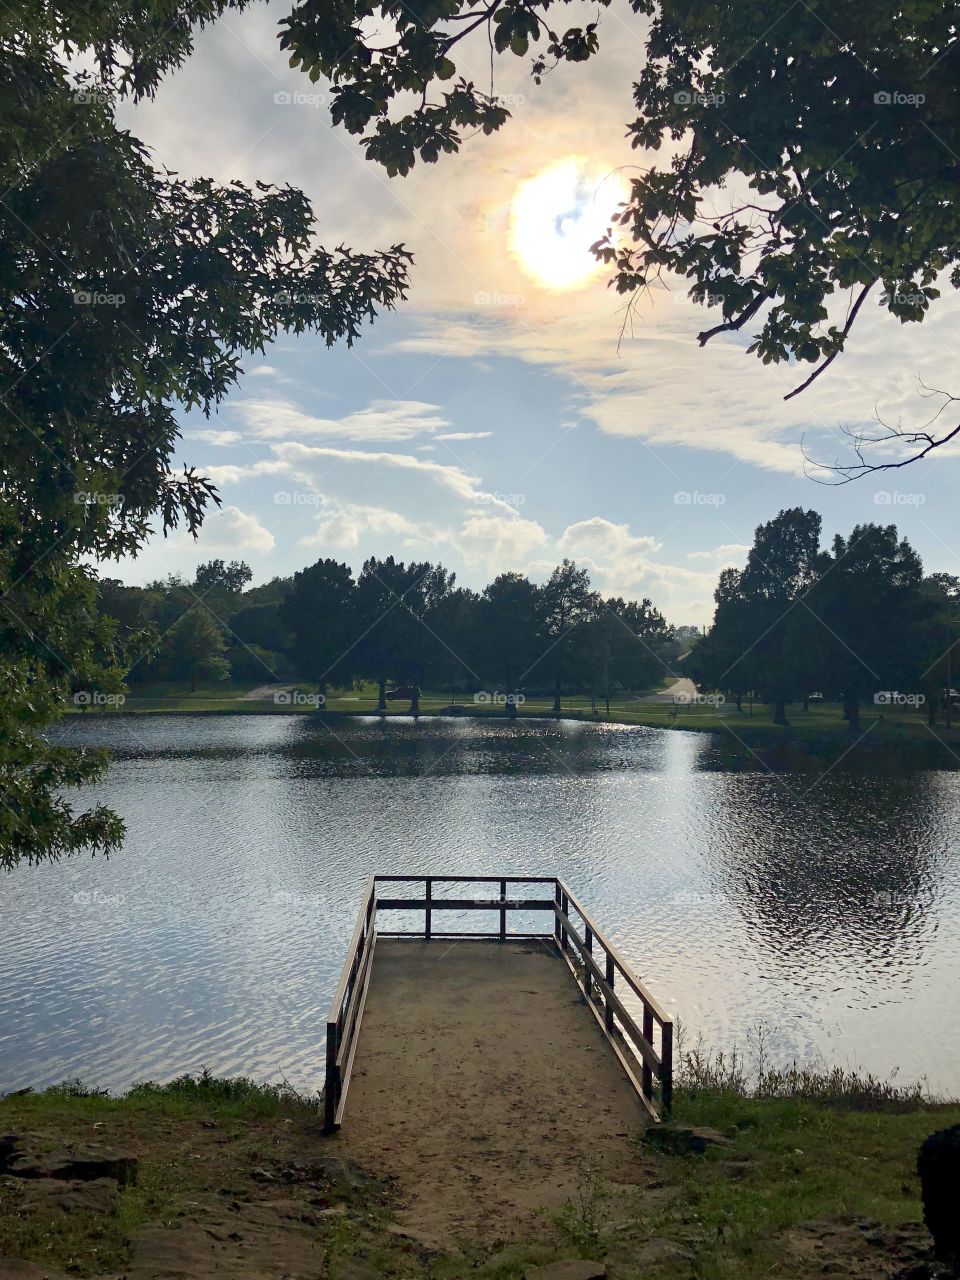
(320, 612)
(941, 591)
(567, 603)
(214, 575)
(836, 133)
(870, 612)
(194, 649)
(508, 619)
(125, 293)
(396, 608)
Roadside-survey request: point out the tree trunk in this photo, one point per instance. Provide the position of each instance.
(806, 704)
(779, 712)
(556, 699)
(382, 694)
(931, 711)
(851, 713)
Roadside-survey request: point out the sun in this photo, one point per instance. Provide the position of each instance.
(557, 215)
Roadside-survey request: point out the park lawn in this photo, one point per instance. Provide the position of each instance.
(801, 1189)
(751, 726)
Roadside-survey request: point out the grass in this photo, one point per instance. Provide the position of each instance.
(811, 1155)
(812, 735)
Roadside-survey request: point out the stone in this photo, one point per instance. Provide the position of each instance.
(99, 1196)
(82, 1166)
(938, 1164)
(658, 1253)
(684, 1140)
(569, 1269)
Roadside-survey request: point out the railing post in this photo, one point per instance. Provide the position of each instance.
(607, 1006)
(503, 910)
(587, 975)
(564, 907)
(331, 1083)
(429, 913)
(648, 1036)
(556, 918)
(666, 1068)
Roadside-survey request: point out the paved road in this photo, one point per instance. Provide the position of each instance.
(682, 690)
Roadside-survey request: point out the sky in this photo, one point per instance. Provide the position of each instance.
(503, 418)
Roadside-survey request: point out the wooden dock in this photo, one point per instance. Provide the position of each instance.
(493, 1024)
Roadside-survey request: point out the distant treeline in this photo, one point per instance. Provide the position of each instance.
(858, 623)
(394, 623)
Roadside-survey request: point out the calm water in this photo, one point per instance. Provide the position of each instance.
(829, 910)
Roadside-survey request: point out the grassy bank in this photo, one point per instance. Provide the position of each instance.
(817, 735)
(236, 1179)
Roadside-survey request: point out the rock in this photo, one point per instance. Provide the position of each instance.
(341, 1175)
(8, 1149)
(569, 1269)
(658, 1252)
(83, 1166)
(938, 1164)
(684, 1140)
(98, 1196)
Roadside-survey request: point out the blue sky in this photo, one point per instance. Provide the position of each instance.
(495, 421)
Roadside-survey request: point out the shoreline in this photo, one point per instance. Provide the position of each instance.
(745, 738)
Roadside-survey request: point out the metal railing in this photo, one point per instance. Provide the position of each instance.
(644, 1049)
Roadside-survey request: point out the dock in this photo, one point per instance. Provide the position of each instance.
(492, 1073)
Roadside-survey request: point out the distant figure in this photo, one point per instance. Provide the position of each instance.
(411, 691)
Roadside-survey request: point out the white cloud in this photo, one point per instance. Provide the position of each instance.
(234, 530)
(342, 528)
(382, 421)
(492, 544)
(219, 438)
(465, 435)
(730, 553)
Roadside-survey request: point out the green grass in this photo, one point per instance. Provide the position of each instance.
(819, 727)
(848, 1153)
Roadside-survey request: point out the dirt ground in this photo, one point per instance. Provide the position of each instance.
(484, 1086)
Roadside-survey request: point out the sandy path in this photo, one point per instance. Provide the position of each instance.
(483, 1084)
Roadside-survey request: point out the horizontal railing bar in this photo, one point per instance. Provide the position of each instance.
(337, 1001)
(415, 933)
(630, 977)
(644, 1046)
(347, 1070)
(467, 879)
(465, 904)
(350, 1025)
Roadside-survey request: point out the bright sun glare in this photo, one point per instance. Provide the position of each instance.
(557, 215)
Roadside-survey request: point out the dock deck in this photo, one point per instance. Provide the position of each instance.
(494, 1074)
(483, 1083)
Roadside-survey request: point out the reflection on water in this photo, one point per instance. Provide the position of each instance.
(830, 909)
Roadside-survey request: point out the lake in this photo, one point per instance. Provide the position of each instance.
(825, 908)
